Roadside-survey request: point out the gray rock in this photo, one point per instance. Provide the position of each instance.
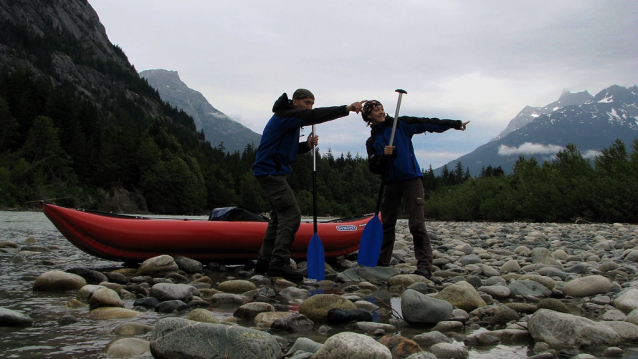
(543, 256)
(168, 291)
(250, 310)
(127, 347)
(265, 294)
(56, 280)
(66, 320)
(12, 318)
(228, 298)
(627, 331)
(171, 306)
(352, 346)
(105, 297)
(306, 345)
(470, 259)
(293, 323)
(132, 328)
(482, 338)
(449, 350)
(202, 315)
(157, 266)
(496, 291)
(294, 293)
(552, 272)
(84, 294)
(627, 301)
(188, 265)
(461, 295)
(180, 338)
(490, 271)
(372, 274)
(317, 307)
(91, 276)
(587, 286)
(561, 330)
(420, 308)
(428, 339)
(528, 288)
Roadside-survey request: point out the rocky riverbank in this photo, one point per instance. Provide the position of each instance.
(562, 290)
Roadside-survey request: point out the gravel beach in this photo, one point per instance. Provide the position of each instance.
(498, 290)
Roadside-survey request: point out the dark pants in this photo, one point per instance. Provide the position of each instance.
(285, 218)
(412, 192)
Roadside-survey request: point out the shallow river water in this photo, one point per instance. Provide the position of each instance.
(87, 338)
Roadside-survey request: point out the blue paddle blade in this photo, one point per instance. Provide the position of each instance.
(316, 259)
(370, 247)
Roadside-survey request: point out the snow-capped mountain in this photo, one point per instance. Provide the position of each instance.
(590, 125)
(529, 113)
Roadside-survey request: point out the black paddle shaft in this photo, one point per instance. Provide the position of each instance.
(314, 202)
(314, 182)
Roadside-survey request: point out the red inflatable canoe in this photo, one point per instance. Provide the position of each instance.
(131, 238)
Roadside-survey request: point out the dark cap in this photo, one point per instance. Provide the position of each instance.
(301, 94)
(368, 107)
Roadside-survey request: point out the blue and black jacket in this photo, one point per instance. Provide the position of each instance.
(402, 165)
(280, 141)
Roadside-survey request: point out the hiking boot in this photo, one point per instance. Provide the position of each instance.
(261, 267)
(423, 272)
(285, 272)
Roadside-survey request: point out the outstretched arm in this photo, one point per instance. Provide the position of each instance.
(325, 114)
(424, 124)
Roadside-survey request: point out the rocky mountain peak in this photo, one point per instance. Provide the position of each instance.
(74, 19)
(568, 98)
(218, 127)
(529, 113)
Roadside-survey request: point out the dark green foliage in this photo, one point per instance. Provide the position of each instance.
(491, 172)
(616, 182)
(568, 189)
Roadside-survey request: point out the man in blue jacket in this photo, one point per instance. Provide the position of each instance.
(403, 177)
(277, 150)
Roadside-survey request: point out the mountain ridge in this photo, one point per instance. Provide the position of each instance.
(218, 128)
(529, 113)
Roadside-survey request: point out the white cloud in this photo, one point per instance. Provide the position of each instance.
(591, 154)
(528, 148)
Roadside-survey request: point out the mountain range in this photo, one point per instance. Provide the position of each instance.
(591, 123)
(218, 128)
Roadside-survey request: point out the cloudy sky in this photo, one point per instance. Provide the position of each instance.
(478, 61)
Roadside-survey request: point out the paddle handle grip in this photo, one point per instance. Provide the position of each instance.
(396, 115)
